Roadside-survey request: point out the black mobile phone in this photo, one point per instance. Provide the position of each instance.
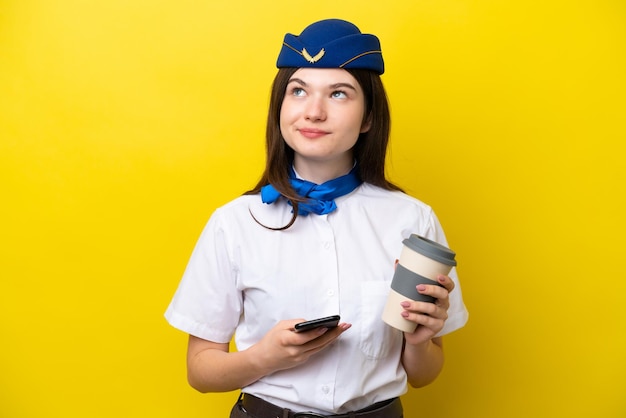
(326, 322)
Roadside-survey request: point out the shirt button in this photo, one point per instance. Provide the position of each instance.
(330, 292)
(327, 245)
(325, 389)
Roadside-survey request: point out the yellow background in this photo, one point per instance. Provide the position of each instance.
(123, 124)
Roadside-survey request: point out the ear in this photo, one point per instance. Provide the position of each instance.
(367, 124)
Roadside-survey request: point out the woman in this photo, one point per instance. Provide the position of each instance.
(317, 236)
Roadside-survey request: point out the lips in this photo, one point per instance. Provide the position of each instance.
(312, 133)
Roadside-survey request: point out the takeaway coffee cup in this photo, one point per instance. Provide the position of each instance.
(421, 261)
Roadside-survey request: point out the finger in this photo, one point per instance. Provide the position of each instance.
(302, 338)
(430, 321)
(437, 292)
(333, 333)
(290, 323)
(327, 337)
(446, 282)
(426, 308)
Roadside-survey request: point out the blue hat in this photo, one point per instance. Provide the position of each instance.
(331, 43)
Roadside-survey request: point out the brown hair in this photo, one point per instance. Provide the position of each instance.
(370, 149)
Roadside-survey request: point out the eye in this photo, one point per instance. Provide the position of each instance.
(339, 94)
(298, 92)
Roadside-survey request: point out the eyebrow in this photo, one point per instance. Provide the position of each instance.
(332, 86)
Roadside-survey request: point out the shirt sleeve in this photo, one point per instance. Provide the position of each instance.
(207, 303)
(457, 312)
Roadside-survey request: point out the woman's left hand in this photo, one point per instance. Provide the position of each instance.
(430, 317)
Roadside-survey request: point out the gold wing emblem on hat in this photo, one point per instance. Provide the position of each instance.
(311, 59)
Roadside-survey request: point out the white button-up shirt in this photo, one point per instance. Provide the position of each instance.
(242, 279)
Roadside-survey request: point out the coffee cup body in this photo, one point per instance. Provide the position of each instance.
(421, 262)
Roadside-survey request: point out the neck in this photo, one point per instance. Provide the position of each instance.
(322, 171)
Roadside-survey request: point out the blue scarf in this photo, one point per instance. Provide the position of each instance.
(321, 197)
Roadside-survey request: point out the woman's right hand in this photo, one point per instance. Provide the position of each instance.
(212, 368)
(282, 348)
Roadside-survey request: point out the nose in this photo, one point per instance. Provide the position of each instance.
(315, 109)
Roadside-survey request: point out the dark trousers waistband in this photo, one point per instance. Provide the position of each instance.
(259, 408)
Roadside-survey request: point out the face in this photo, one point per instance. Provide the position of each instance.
(321, 118)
